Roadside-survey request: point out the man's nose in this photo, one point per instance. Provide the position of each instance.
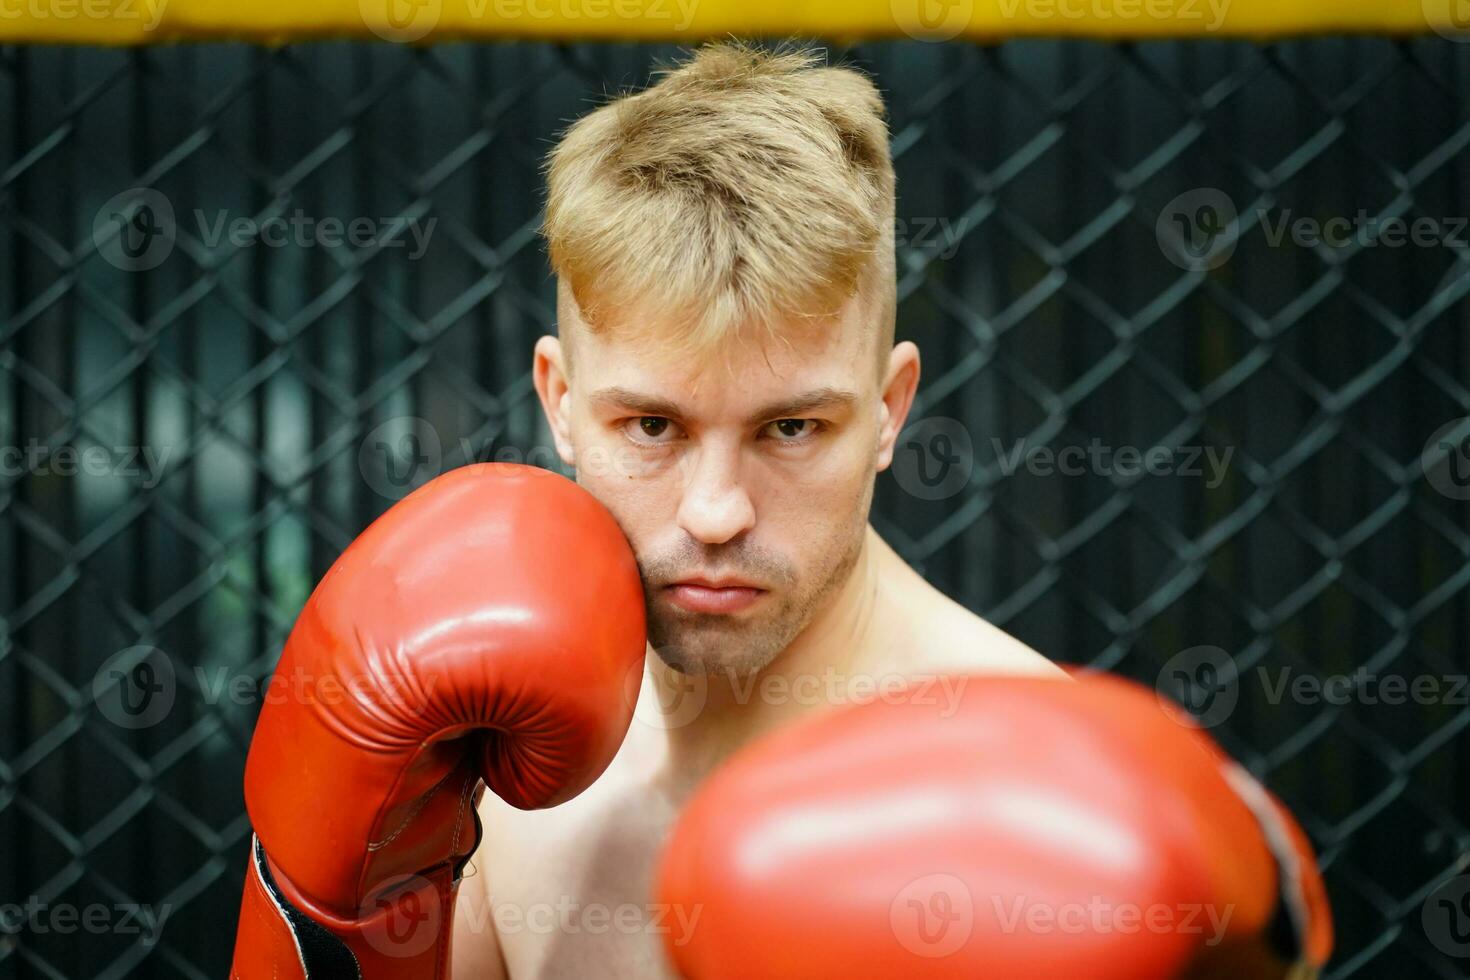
(715, 507)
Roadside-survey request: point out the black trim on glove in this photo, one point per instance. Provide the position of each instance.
(324, 955)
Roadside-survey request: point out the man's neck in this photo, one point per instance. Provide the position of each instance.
(839, 644)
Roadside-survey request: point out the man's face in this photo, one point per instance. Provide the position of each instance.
(743, 482)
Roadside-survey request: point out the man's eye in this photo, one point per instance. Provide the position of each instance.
(793, 430)
(650, 429)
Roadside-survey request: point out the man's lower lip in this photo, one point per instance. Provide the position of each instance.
(699, 598)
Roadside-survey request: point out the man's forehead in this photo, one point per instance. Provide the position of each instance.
(614, 375)
(637, 351)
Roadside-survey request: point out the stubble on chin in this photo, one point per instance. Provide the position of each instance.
(708, 644)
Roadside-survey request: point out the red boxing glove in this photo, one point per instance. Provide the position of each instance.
(1038, 828)
(489, 626)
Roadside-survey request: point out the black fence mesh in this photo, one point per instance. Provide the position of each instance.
(199, 410)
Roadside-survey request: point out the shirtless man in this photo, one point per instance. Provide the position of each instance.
(742, 457)
(726, 384)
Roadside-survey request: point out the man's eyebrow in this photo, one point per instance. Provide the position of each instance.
(645, 404)
(815, 400)
(635, 401)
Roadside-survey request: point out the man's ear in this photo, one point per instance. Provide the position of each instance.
(900, 382)
(548, 371)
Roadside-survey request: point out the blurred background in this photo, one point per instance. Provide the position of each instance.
(209, 383)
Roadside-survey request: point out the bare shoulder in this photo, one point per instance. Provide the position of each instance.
(935, 634)
(952, 639)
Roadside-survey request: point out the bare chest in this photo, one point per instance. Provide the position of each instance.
(569, 891)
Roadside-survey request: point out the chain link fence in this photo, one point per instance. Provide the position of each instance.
(1194, 409)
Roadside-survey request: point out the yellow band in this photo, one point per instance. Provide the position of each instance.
(689, 21)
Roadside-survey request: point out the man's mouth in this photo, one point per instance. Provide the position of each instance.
(721, 595)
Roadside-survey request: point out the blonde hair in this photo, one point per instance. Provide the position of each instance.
(747, 187)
